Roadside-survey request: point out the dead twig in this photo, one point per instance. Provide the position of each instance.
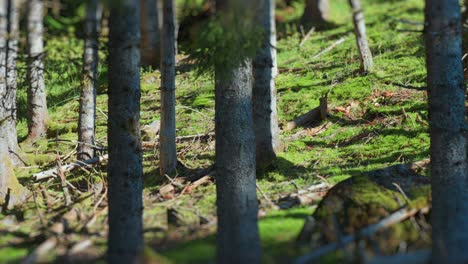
(317, 114)
(332, 46)
(69, 167)
(307, 36)
(201, 137)
(66, 193)
(272, 204)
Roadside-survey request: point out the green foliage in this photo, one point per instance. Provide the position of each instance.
(224, 43)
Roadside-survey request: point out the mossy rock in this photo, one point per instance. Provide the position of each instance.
(366, 199)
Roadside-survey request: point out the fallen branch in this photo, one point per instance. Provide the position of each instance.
(310, 132)
(186, 185)
(201, 137)
(306, 37)
(315, 115)
(68, 167)
(388, 221)
(305, 196)
(332, 46)
(66, 193)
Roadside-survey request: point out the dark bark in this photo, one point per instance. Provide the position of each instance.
(125, 238)
(37, 104)
(237, 206)
(167, 134)
(264, 94)
(87, 115)
(449, 167)
(316, 13)
(11, 74)
(150, 33)
(365, 54)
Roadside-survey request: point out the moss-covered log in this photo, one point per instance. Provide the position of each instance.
(365, 199)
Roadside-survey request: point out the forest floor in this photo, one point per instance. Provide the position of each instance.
(374, 121)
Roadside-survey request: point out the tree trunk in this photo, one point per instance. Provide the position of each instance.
(316, 13)
(87, 118)
(264, 94)
(449, 167)
(11, 74)
(125, 238)
(37, 105)
(150, 34)
(11, 192)
(365, 54)
(237, 207)
(167, 132)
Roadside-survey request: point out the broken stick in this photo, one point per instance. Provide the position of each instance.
(317, 114)
(332, 46)
(201, 137)
(388, 221)
(69, 167)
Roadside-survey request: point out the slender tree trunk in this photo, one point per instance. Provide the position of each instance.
(365, 54)
(87, 118)
(11, 74)
(237, 238)
(316, 13)
(150, 33)
(264, 94)
(125, 239)
(449, 167)
(37, 104)
(5, 96)
(11, 192)
(167, 132)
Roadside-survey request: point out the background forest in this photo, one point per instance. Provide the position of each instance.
(355, 141)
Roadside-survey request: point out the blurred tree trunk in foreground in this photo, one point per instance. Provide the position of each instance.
(237, 207)
(125, 240)
(449, 167)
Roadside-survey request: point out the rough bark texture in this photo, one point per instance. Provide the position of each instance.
(264, 94)
(167, 134)
(11, 192)
(125, 238)
(237, 206)
(316, 13)
(37, 105)
(237, 239)
(150, 33)
(449, 167)
(5, 97)
(87, 117)
(9, 104)
(365, 54)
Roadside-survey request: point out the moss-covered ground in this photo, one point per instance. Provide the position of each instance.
(375, 121)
